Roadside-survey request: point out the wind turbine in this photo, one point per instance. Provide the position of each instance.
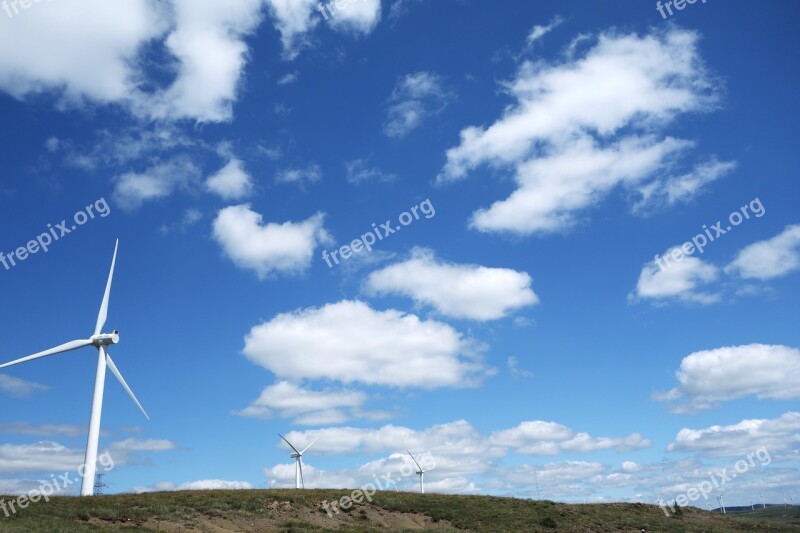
(763, 505)
(298, 462)
(786, 501)
(420, 473)
(722, 503)
(101, 341)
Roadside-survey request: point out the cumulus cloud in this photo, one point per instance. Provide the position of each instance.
(201, 484)
(550, 438)
(769, 259)
(457, 290)
(133, 189)
(231, 182)
(270, 248)
(306, 407)
(350, 342)
(48, 48)
(709, 377)
(581, 128)
(678, 280)
(49, 456)
(778, 435)
(208, 42)
(98, 56)
(415, 97)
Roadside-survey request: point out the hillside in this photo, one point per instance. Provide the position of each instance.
(298, 511)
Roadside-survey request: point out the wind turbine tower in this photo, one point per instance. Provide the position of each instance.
(420, 473)
(298, 462)
(101, 341)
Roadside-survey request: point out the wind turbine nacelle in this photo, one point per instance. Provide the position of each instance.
(105, 339)
(295, 455)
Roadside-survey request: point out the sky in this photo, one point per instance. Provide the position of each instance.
(551, 248)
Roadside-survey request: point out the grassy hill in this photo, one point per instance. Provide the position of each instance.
(303, 510)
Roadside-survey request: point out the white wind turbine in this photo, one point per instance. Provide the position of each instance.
(722, 503)
(420, 473)
(298, 462)
(101, 341)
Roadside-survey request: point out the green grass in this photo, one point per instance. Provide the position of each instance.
(300, 511)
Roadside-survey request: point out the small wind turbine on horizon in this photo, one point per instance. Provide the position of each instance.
(298, 462)
(763, 505)
(722, 503)
(101, 341)
(420, 473)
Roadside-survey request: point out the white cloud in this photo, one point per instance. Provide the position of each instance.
(231, 182)
(201, 484)
(357, 16)
(295, 19)
(771, 258)
(208, 41)
(96, 56)
(581, 128)
(414, 98)
(550, 438)
(779, 435)
(685, 187)
(311, 173)
(358, 171)
(132, 189)
(48, 48)
(43, 456)
(285, 248)
(350, 342)
(445, 442)
(307, 407)
(456, 290)
(539, 31)
(709, 377)
(679, 280)
(19, 388)
(48, 456)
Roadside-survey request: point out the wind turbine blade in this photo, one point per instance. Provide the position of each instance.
(101, 316)
(72, 345)
(415, 461)
(309, 446)
(302, 481)
(289, 443)
(114, 371)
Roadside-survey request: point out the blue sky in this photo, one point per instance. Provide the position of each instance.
(518, 324)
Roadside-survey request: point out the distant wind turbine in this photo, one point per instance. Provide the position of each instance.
(298, 462)
(763, 505)
(722, 503)
(101, 341)
(420, 473)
